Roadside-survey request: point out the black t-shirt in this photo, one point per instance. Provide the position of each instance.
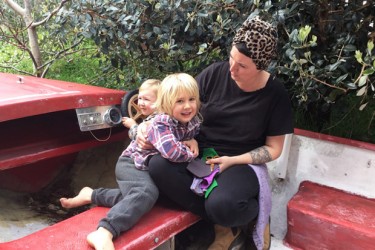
(236, 122)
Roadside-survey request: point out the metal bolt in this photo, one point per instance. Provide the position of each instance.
(20, 79)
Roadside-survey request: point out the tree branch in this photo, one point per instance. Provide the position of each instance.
(15, 69)
(46, 66)
(50, 15)
(327, 84)
(15, 7)
(20, 44)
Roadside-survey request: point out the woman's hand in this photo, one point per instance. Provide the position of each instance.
(224, 162)
(142, 136)
(193, 146)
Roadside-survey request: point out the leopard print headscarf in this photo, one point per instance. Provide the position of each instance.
(260, 39)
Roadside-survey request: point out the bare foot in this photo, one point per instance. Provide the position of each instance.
(101, 239)
(83, 198)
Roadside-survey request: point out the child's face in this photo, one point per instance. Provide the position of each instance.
(185, 108)
(146, 101)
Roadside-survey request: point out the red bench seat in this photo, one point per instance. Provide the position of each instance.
(321, 217)
(160, 224)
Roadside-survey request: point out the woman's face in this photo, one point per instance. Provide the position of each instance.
(242, 68)
(146, 101)
(185, 108)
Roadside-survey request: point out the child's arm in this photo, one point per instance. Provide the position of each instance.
(128, 122)
(161, 136)
(132, 126)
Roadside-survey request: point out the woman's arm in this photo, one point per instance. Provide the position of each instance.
(269, 152)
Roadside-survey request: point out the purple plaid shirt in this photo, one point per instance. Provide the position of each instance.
(166, 135)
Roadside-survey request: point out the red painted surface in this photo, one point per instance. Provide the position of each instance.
(321, 217)
(345, 141)
(32, 139)
(39, 129)
(156, 227)
(33, 96)
(32, 177)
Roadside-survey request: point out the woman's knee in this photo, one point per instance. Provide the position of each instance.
(233, 202)
(156, 166)
(220, 210)
(230, 213)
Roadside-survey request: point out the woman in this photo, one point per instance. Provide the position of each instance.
(246, 114)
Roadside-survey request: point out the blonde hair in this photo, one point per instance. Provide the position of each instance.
(152, 84)
(171, 88)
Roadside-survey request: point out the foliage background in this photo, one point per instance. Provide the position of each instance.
(326, 59)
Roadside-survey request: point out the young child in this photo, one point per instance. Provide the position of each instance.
(146, 102)
(171, 133)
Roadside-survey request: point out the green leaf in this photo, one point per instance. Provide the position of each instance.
(369, 71)
(363, 106)
(351, 85)
(358, 56)
(370, 46)
(303, 33)
(202, 48)
(350, 48)
(333, 67)
(362, 91)
(341, 78)
(157, 30)
(362, 81)
(313, 41)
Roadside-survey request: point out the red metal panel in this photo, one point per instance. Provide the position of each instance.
(33, 96)
(39, 128)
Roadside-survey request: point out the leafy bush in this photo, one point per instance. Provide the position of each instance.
(152, 38)
(321, 48)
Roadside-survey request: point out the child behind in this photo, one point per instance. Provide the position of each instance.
(146, 103)
(171, 134)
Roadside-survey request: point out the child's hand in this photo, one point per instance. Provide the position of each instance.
(193, 146)
(128, 122)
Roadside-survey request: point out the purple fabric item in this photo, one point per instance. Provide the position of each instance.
(206, 182)
(200, 185)
(265, 204)
(196, 186)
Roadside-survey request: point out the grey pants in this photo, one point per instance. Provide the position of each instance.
(135, 196)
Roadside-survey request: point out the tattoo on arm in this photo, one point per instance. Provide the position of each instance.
(260, 155)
